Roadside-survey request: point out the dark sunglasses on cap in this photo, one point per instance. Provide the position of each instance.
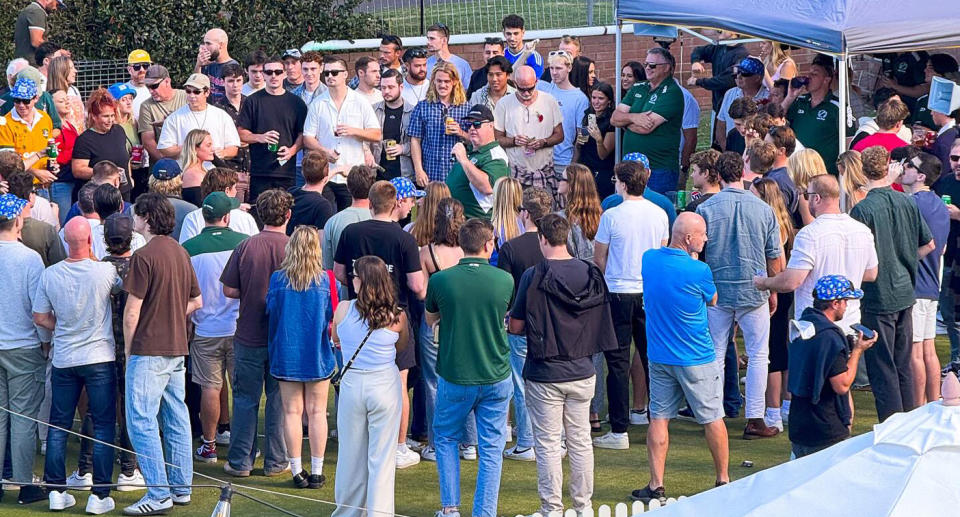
(272, 72)
(417, 53)
(140, 66)
(328, 73)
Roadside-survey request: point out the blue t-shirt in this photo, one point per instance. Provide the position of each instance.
(463, 68)
(676, 290)
(534, 60)
(935, 214)
(573, 104)
(650, 195)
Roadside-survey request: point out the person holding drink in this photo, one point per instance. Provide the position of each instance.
(435, 125)
(394, 116)
(597, 139)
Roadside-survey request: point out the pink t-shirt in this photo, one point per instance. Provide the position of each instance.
(889, 141)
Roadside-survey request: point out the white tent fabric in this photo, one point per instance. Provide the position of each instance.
(905, 467)
(833, 26)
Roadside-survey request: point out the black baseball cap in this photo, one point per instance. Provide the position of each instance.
(118, 228)
(480, 112)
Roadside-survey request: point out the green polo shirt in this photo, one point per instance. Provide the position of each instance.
(816, 127)
(492, 160)
(472, 299)
(662, 145)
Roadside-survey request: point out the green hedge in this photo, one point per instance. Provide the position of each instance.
(171, 30)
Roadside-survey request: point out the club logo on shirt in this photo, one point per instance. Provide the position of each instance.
(653, 99)
(822, 115)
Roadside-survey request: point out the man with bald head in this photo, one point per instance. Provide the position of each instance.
(73, 300)
(527, 125)
(678, 288)
(211, 58)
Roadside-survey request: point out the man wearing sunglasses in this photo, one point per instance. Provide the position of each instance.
(25, 130)
(415, 84)
(198, 114)
(722, 59)
(472, 178)
(748, 77)
(163, 101)
(138, 62)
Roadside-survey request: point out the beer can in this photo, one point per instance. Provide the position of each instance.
(388, 144)
(681, 199)
(449, 120)
(136, 156)
(947, 200)
(273, 147)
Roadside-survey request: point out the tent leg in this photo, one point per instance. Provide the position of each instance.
(616, 91)
(843, 94)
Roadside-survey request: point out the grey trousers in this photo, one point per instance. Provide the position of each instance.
(21, 390)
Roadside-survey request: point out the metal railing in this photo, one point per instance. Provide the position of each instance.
(96, 73)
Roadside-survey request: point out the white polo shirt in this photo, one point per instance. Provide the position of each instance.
(323, 117)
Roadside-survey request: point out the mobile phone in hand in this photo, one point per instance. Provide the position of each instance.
(867, 333)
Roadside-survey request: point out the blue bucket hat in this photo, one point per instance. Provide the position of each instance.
(406, 188)
(750, 65)
(637, 157)
(24, 89)
(118, 90)
(11, 206)
(836, 287)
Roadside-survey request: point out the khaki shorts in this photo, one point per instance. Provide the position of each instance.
(924, 320)
(211, 358)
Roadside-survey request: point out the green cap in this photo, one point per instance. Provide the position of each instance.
(218, 204)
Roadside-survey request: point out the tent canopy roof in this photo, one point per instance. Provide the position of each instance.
(832, 26)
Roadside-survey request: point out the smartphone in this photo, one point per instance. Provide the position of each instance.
(867, 333)
(799, 82)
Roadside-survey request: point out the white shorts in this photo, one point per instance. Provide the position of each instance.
(924, 320)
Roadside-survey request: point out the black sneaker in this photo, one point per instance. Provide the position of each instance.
(317, 480)
(30, 494)
(300, 480)
(720, 483)
(686, 414)
(645, 494)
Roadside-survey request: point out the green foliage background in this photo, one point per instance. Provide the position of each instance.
(171, 30)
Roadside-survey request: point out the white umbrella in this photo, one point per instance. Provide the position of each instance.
(906, 467)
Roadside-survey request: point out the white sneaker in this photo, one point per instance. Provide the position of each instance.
(428, 453)
(612, 440)
(414, 445)
(223, 438)
(639, 417)
(520, 453)
(147, 506)
(180, 500)
(406, 457)
(130, 483)
(468, 452)
(97, 506)
(78, 482)
(60, 500)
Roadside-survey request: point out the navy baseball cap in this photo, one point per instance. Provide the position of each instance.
(165, 169)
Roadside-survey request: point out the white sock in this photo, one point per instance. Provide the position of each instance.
(316, 465)
(296, 465)
(772, 416)
(785, 408)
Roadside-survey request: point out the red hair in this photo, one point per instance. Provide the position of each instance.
(100, 100)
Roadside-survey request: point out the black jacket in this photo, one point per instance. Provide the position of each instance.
(722, 58)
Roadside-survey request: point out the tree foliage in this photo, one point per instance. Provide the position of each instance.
(171, 30)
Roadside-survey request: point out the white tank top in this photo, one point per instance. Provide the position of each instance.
(380, 349)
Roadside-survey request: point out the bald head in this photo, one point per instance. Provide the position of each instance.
(77, 234)
(525, 76)
(689, 232)
(216, 35)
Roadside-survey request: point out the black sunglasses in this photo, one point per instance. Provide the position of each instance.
(808, 195)
(273, 72)
(328, 73)
(526, 90)
(154, 86)
(193, 91)
(477, 124)
(744, 74)
(955, 157)
(653, 65)
(417, 53)
(140, 66)
(22, 101)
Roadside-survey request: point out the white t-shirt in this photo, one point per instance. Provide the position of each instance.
(691, 115)
(534, 121)
(833, 244)
(415, 94)
(249, 90)
(373, 97)
(240, 221)
(143, 93)
(323, 117)
(84, 330)
(217, 122)
(630, 229)
(99, 245)
(42, 210)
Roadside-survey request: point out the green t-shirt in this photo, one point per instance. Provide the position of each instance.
(898, 230)
(816, 126)
(662, 145)
(472, 299)
(922, 114)
(492, 160)
(32, 16)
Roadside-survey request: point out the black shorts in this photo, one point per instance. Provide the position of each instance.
(780, 332)
(407, 356)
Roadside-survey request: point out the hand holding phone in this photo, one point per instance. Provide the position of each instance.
(866, 337)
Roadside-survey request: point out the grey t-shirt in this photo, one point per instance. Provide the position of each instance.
(334, 227)
(78, 293)
(20, 270)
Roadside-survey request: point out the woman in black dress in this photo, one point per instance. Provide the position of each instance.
(596, 140)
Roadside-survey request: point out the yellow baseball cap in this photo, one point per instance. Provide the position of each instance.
(138, 56)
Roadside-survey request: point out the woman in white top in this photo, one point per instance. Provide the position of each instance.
(777, 63)
(368, 414)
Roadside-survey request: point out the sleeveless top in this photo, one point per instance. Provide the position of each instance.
(380, 350)
(776, 75)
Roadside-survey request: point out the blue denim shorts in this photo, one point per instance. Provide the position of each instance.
(701, 385)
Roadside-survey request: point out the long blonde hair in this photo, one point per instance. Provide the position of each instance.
(57, 72)
(458, 96)
(188, 153)
(803, 165)
(426, 223)
(852, 179)
(777, 55)
(302, 263)
(769, 192)
(507, 198)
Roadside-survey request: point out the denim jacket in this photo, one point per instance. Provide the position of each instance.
(742, 233)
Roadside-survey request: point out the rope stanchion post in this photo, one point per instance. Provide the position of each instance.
(223, 505)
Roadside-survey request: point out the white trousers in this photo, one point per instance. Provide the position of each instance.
(755, 326)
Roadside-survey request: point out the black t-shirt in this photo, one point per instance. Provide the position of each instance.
(602, 168)
(820, 424)
(948, 184)
(575, 272)
(386, 240)
(309, 208)
(520, 253)
(735, 142)
(285, 114)
(214, 71)
(111, 146)
(391, 131)
(692, 206)
(240, 162)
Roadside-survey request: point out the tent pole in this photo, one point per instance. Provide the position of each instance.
(842, 94)
(616, 91)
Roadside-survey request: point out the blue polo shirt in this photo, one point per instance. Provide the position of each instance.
(676, 290)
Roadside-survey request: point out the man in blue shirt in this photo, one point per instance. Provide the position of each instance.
(438, 41)
(682, 360)
(516, 50)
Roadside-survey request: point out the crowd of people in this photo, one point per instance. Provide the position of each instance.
(439, 243)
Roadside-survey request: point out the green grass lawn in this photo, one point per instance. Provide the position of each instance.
(689, 471)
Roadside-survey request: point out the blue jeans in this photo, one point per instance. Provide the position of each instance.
(454, 402)
(251, 376)
(299, 181)
(518, 356)
(428, 372)
(663, 180)
(61, 193)
(948, 312)
(100, 379)
(156, 387)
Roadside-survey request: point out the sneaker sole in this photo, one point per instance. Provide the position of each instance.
(408, 465)
(617, 447)
(162, 511)
(204, 459)
(130, 488)
(519, 458)
(237, 473)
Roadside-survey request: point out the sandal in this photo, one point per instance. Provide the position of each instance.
(595, 426)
